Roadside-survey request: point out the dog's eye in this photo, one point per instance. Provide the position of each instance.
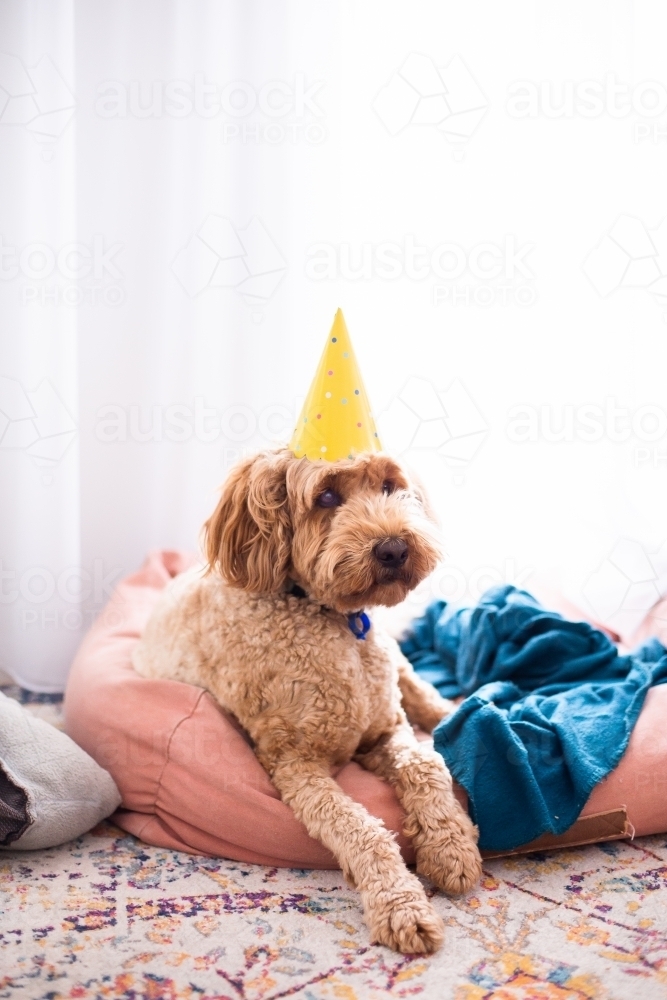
(329, 499)
(387, 487)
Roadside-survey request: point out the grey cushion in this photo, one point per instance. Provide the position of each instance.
(50, 789)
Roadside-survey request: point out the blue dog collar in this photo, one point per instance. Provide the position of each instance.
(359, 624)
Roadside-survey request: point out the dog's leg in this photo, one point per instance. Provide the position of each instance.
(423, 705)
(443, 835)
(396, 909)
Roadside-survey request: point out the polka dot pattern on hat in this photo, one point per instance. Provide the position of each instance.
(336, 420)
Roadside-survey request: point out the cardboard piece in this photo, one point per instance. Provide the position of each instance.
(593, 829)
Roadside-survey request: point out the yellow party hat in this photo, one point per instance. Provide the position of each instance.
(336, 420)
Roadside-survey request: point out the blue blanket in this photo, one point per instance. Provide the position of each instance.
(549, 710)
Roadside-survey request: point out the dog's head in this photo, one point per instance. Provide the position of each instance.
(352, 533)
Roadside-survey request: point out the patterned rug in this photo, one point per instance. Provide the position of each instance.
(108, 917)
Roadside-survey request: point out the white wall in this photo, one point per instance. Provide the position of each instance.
(344, 175)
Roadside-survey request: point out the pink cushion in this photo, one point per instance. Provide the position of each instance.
(190, 780)
(188, 777)
(640, 780)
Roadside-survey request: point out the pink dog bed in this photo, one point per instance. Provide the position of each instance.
(190, 781)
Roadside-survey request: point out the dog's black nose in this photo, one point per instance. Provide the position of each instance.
(391, 552)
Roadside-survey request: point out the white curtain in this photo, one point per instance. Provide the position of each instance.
(188, 193)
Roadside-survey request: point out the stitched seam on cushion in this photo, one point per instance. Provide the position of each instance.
(171, 736)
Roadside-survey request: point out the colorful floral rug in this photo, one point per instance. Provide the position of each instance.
(108, 917)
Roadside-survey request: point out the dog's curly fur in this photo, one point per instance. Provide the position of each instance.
(310, 694)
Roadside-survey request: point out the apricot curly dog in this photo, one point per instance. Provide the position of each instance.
(296, 550)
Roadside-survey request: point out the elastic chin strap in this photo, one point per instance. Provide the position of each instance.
(359, 624)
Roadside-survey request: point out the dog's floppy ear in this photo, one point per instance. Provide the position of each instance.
(249, 537)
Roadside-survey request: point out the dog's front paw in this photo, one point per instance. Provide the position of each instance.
(450, 858)
(405, 921)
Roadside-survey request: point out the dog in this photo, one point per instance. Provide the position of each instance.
(275, 628)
